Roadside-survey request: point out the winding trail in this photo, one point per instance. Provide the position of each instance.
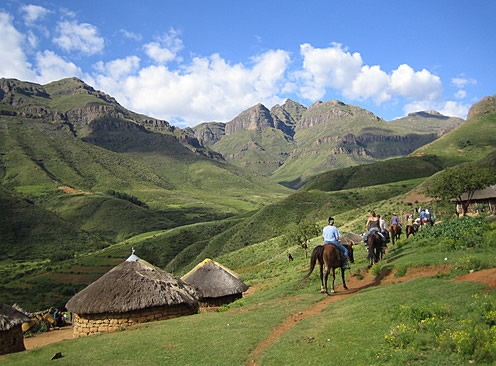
(354, 283)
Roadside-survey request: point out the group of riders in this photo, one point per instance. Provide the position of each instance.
(375, 223)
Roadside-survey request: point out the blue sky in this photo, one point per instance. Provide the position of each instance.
(200, 61)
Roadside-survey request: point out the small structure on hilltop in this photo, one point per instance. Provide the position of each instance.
(11, 338)
(217, 284)
(481, 200)
(133, 292)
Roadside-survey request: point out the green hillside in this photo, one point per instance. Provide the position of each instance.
(382, 172)
(470, 141)
(430, 314)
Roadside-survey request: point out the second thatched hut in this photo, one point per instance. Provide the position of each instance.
(11, 338)
(133, 292)
(217, 284)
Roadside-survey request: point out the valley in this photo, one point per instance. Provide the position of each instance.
(83, 181)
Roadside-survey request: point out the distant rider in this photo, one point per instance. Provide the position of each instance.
(372, 225)
(331, 235)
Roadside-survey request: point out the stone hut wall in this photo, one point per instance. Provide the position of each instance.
(11, 340)
(87, 324)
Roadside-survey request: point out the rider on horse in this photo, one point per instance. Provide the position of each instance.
(331, 235)
(373, 224)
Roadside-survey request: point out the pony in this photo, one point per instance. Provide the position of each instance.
(374, 243)
(395, 231)
(331, 256)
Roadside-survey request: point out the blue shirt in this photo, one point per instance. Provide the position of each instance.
(330, 233)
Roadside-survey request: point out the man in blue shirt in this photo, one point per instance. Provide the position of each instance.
(331, 236)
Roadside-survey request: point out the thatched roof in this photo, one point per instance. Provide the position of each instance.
(482, 194)
(10, 317)
(351, 238)
(214, 280)
(132, 285)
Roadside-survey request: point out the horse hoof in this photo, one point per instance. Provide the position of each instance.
(333, 292)
(323, 291)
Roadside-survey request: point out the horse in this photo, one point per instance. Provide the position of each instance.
(329, 255)
(395, 231)
(410, 230)
(374, 243)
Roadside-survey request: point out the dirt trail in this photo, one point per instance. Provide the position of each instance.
(354, 284)
(43, 339)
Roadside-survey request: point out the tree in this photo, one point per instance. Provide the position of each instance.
(301, 233)
(452, 183)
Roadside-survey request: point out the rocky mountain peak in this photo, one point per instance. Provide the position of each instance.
(485, 105)
(257, 117)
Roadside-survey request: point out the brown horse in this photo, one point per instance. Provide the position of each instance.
(395, 231)
(374, 243)
(331, 256)
(410, 230)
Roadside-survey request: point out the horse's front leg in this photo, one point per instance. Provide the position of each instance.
(333, 280)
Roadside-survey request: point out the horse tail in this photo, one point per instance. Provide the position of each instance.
(316, 255)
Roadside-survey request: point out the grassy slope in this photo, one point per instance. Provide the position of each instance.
(258, 151)
(378, 173)
(470, 141)
(346, 331)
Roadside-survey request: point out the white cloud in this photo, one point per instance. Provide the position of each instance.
(455, 109)
(460, 94)
(81, 37)
(13, 61)
(419, 85)
(165, 48)
(131, 35)
(119, 67)
(461, 82)
(337, 68)
(206, 89)
(53, 67)
(33, 13)
(371, 82)
(447, 108)
(327, 67)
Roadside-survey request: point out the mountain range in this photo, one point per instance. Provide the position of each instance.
(291, 143)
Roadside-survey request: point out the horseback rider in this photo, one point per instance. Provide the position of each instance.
(372, 225)
(331, 235)
(395, 220)
(384, 231)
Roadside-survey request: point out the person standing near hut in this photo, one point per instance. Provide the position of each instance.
(331, 235)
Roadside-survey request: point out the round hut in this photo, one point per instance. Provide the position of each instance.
(132, 292)
(217, 284)
(11, 338)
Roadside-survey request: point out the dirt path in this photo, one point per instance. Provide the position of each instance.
(354, 284)
(487, 276)
(43, 339)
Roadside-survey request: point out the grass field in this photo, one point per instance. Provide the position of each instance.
(424, 321)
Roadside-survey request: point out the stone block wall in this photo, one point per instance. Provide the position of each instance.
(87, 324)
(11, 340)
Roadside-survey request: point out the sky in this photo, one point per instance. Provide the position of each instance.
(201, 61)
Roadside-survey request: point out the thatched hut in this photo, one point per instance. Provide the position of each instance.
(133, 292)
(11, 338)
(351, 238)
(217, 284)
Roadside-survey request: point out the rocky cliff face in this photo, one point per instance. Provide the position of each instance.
(84, 110)
(257, 117)
(486, 105)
